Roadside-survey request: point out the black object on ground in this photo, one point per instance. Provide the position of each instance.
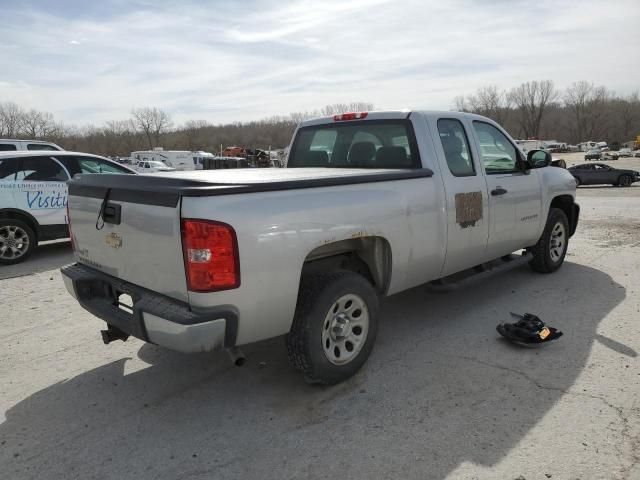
(528, 330)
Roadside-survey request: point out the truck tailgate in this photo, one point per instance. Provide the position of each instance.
(138, 241)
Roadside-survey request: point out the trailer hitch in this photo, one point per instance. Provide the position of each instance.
(113, 333)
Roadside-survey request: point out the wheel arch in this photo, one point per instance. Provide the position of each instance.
(26, 217)
(567, 204)
(369, 256)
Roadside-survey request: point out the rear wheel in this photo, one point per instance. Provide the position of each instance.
(625, 180)
(578, 181)
(549, 252)
(334, 327)
(17, 241)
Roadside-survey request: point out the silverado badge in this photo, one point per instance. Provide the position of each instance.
(113, 240)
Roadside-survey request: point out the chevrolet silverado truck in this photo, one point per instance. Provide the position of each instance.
(370, 204)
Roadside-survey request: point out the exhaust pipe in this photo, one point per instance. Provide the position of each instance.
(112, 333)
(237, 357)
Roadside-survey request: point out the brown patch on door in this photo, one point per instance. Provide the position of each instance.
(468, 208)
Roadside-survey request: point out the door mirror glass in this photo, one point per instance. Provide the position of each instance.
(538, 158)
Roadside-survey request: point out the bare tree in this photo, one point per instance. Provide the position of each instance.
(589, 107)
(35, 124)
(460, 104)
(152, 122)
(192, 130)
(11, 116)
(338, 108)
(488, 101)
(531, 99)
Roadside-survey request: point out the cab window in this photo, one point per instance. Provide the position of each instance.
(498, 154)
(7, 147)
(456, 147)
(357, 144)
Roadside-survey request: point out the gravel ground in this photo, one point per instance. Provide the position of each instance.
(441, 396)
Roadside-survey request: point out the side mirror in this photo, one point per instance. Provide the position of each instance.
(538, 158)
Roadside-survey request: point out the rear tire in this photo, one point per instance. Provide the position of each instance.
(334, 327)
(17, 241)
(578, 182)
(549, 252)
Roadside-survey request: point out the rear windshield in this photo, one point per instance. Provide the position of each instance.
(360, 144)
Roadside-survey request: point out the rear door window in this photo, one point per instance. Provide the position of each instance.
(41, 169)
(7, 147)
(9, 168)
(456, 147)
(41, 146)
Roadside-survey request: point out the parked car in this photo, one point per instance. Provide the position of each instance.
(625, 152)
(610, 156)
(370, 204)
(10, 145)
(636, 153)
(153, 166)
(593, 154)
(33, 196)
(599, 173)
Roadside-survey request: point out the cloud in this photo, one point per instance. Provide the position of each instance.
(226, 60)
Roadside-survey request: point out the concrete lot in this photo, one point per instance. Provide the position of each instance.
(441, 396)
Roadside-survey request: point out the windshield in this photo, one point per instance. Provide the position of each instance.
(157, 164)
(363, 144)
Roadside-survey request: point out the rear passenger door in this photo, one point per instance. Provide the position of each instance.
(466, 196)
(41, 189)
(515, 200)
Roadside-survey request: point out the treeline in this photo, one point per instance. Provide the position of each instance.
(580, 113)
(151, 127)
(536, 109)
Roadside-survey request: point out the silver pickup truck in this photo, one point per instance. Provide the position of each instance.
(370, 204)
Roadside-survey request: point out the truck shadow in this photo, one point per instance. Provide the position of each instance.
(440, 389)
(47, 256)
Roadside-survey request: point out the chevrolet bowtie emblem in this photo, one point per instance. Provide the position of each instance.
(113, 240)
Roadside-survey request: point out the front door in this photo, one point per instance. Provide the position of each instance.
(515, 201)
(466, 192)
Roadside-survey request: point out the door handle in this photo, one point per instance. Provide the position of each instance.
(498, 191)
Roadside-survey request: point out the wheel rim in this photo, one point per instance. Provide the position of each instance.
(558, 242)
(625, 181)
(345, 329)
(14, 242)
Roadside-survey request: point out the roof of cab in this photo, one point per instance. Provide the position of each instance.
(393, 115)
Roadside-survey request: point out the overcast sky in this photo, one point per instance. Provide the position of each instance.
(87, 62)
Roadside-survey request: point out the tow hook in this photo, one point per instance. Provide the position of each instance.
(237, 357)
(112, 333)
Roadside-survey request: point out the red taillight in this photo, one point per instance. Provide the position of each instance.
(210, 255)
(350, 116)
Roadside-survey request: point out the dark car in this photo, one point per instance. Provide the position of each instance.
(599, 173)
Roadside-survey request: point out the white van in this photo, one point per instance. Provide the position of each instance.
(33, 196)
(10, 145)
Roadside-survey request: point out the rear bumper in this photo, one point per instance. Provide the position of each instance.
(153, 317)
